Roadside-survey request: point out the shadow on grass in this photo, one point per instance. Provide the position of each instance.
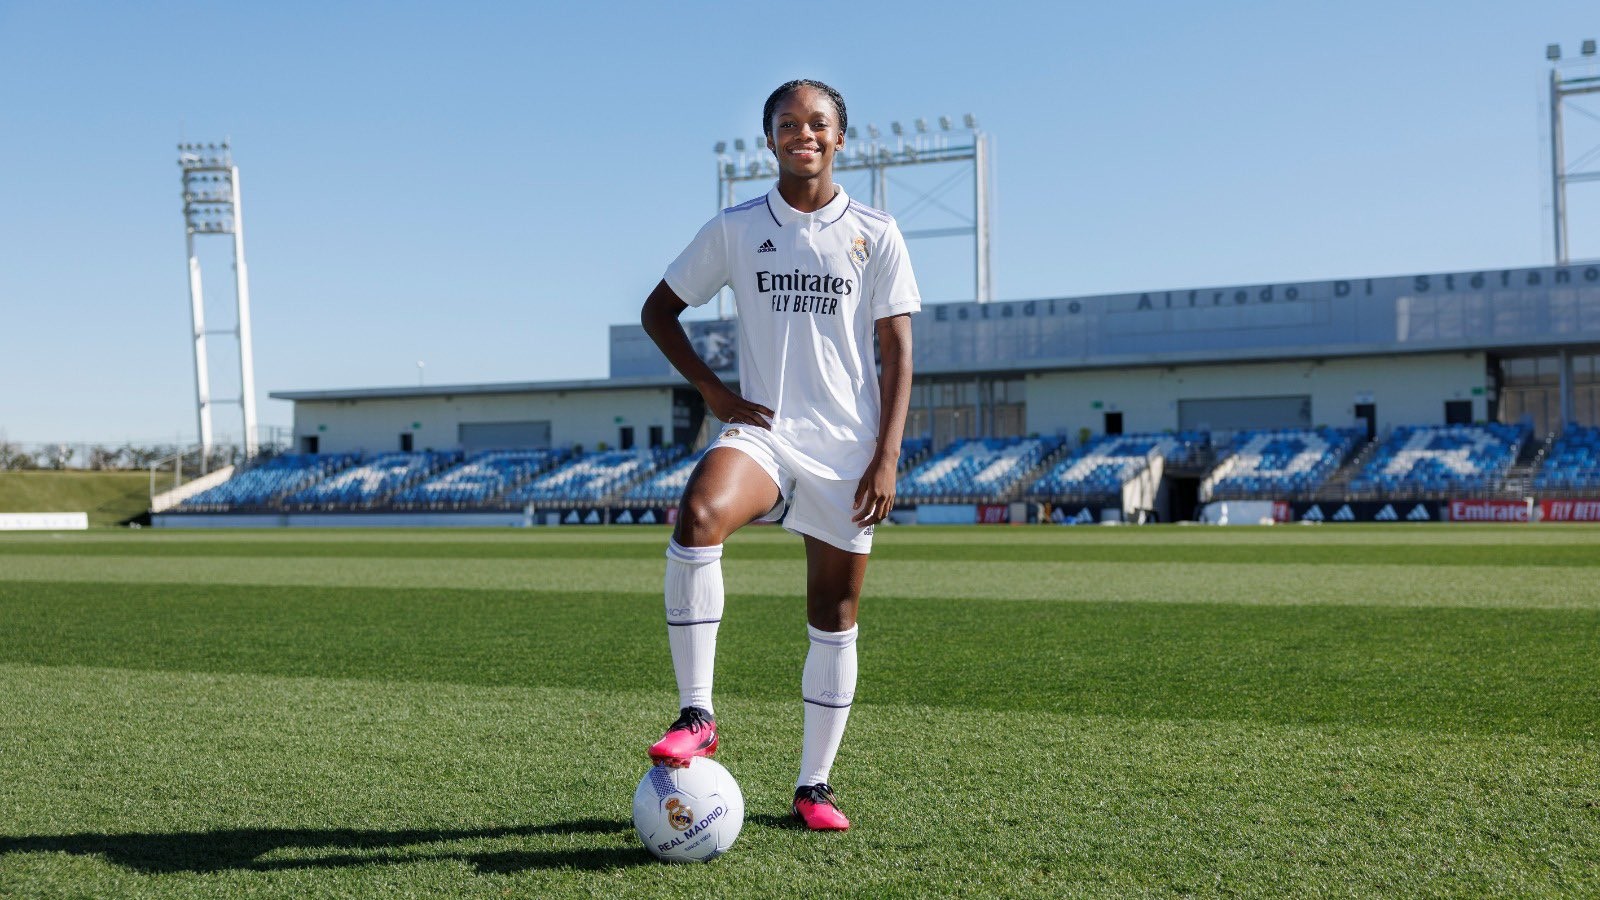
(782, 823)
(243, 849)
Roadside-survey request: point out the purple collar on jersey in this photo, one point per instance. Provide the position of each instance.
(783, 213)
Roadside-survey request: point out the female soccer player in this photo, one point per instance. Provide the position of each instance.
(811, 439)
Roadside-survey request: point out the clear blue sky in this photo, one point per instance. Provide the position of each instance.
(486, 187)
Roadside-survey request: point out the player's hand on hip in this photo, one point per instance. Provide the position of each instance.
(874, 494)
(732, 409)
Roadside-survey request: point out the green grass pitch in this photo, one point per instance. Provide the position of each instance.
(1042, 712)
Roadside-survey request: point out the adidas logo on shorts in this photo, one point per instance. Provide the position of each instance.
(766, 247)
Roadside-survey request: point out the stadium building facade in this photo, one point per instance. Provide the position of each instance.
(1374, 354)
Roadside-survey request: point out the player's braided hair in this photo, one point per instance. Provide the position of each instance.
(789, 87)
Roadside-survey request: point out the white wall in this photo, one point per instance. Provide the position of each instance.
(1407, 390)
(576, 417)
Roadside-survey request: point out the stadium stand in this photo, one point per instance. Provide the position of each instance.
(1435, 460)
(1101, 467)
(913, 451)
(666, 486)
(479, 480)
(592, 477)
(1278, 463)
(259, 486)
(1573, 463)
(372, 482)
(975, 469)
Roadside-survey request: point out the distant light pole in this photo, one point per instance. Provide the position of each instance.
(1560, 89)
(211, 206)
(420, 366)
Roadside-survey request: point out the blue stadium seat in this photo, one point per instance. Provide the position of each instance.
(975, 469)
(1441, 459)
(372, 482)
(1573, 463)
(1101, 467)
(1265, 464)
(912, 450)
(592, 477)
(665, 487)
(259, 486)
(478, 480)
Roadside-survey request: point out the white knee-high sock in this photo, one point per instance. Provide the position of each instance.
(827, 686)
(694, 608)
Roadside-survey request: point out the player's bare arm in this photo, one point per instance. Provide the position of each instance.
(875, 493)
(660, 318)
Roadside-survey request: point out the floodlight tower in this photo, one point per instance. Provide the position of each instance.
(1562, 88)
(876, 155)
(211, 207)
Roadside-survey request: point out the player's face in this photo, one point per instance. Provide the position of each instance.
(805, 133)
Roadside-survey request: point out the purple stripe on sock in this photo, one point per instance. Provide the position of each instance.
(693, 554)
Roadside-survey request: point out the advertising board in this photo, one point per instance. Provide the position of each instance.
(1490, 511)
(1368, 511)
(1580, 510)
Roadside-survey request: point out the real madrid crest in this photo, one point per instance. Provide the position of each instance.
(858, 250)
(679, 815)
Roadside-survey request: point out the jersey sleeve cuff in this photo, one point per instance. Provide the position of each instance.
(684, 293)
(898, 309)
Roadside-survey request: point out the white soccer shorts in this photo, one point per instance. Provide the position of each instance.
(809, 504)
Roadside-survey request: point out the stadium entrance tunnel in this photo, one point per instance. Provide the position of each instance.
(1183, 497)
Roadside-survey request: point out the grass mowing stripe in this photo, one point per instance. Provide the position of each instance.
(1351, 585)
(1470, 670)
(1577, 555)
(178, 785)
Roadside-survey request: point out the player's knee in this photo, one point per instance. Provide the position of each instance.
(831, 619)
(701, 522)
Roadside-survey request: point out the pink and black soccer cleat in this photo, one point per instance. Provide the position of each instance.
(814, 805)
(694, 734)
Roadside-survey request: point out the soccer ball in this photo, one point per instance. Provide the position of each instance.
(688, 815)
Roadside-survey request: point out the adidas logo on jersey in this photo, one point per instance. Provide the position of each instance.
(766, 247)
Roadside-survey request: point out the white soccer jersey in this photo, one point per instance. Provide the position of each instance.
(808, 288)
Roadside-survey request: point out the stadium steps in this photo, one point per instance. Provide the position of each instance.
(1021, 488)
(619, 497)
(498, 500)
(1196, 466)
(556, 462)
(1337, 487)
(1532, 454)
(556, 459)
(1530, 458)
(907, 463)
